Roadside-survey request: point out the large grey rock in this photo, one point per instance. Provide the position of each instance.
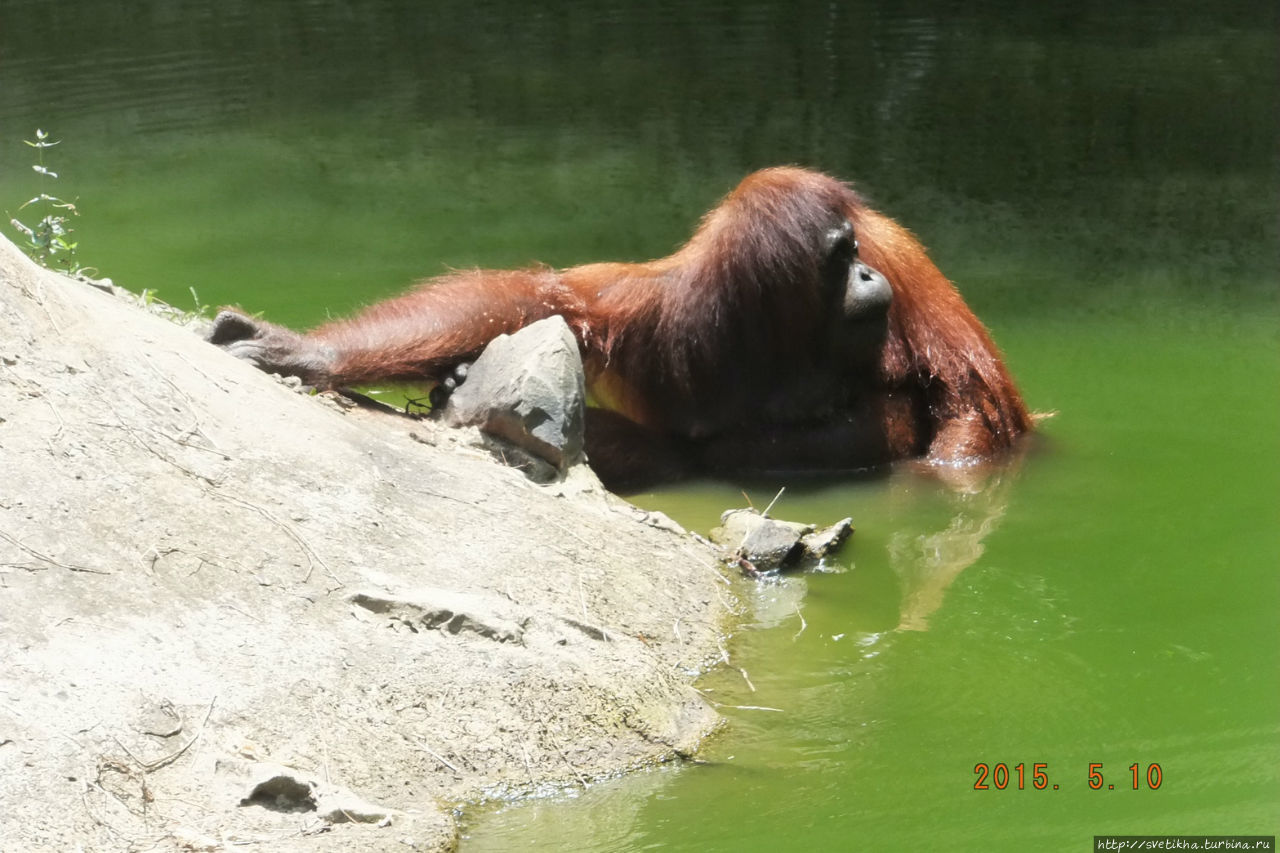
(528, 389)
(217, 594)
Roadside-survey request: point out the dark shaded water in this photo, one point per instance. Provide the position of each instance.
(1099, 178)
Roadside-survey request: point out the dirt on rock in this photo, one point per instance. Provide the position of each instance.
(232, 614)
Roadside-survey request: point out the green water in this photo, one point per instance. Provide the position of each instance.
(1120, 608)
(1099, 178)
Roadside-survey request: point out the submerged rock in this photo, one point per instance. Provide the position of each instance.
(768, 543)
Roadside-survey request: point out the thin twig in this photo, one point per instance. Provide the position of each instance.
(437, 756)
(84, 798)
(194, 429)
(765, 514)
(738, 707)
(39, 300)
(146, 446)
(22, 568)
(527, 768)
(324, 748)
(751, 707)
(62, 425)
(803, 624)
(567, 532)
(312, 557)
(581, 778)
(150, 766)
(699, 557)
(44, 558)
(133, 433)
(213, 382)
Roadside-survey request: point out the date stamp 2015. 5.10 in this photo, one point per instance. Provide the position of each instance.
(1000, 777)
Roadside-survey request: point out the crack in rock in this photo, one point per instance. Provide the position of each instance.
(452, 612)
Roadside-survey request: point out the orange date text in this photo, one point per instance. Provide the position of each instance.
(1020, 776)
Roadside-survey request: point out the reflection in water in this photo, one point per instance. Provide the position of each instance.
(927, 563)
(604, 816)
(923, 554)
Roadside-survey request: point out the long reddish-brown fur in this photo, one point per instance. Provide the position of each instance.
(723, 348)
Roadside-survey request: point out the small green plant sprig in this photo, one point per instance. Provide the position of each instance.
(48, 242)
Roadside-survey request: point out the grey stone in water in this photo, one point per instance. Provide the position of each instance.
(822, 542)
(768, 543)
(529, 389)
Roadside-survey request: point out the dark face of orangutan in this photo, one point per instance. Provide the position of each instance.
(859, 297)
